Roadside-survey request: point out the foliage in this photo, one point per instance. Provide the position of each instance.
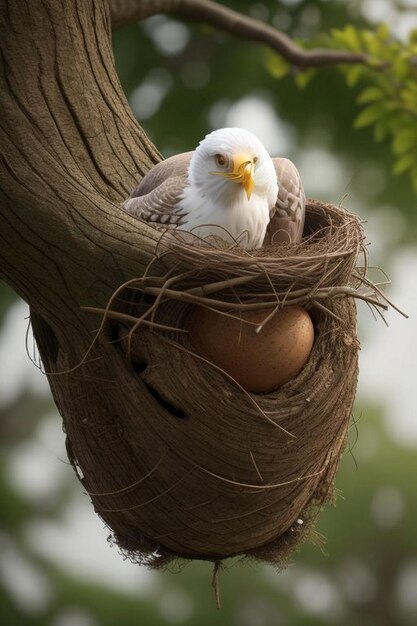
(388, 86)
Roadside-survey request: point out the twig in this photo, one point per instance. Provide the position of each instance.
(124, 317)
(215, 583)
(205, 290)
(342, 291)
(382, 294)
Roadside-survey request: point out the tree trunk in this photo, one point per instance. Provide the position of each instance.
(70, 152)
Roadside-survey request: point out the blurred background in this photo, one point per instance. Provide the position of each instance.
(56, 568)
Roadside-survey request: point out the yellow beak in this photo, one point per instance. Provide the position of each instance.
(242, 172)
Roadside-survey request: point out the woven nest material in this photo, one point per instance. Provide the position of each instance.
(219, 471)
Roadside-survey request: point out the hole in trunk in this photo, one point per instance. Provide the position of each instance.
(139, 366)
(175, 411)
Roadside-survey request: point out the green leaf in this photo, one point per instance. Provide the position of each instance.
(353, 74)
(303, 78)
(352, 40)
(372, 45)
(381, 130)
(338, 38)
(371, 94)
(404, 141)
(277, 66)
(370, 115)
(348, 38)
(405, 163)
(401, 67)
(409, 97)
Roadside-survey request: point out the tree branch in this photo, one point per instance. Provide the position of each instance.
(125, 11)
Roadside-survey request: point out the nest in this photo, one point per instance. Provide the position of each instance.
(215, 471)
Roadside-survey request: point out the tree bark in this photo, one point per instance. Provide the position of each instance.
(70, 152)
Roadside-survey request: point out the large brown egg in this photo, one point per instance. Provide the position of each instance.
(260, 362)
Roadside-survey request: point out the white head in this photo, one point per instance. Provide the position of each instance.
(231, 164)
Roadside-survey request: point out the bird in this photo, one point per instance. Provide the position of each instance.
(228, 185)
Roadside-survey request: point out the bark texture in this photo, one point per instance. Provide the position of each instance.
(70, 152)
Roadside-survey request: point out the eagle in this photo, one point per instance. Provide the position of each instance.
(229, 187)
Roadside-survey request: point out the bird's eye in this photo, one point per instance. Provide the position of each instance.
(255, 159)
(221, 160)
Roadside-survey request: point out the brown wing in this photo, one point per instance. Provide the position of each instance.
(287, 216)
(155, 198)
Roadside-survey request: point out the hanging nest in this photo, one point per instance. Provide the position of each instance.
(214, 471)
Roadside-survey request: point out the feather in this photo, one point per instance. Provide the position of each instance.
(156, 197)
(287, 216)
